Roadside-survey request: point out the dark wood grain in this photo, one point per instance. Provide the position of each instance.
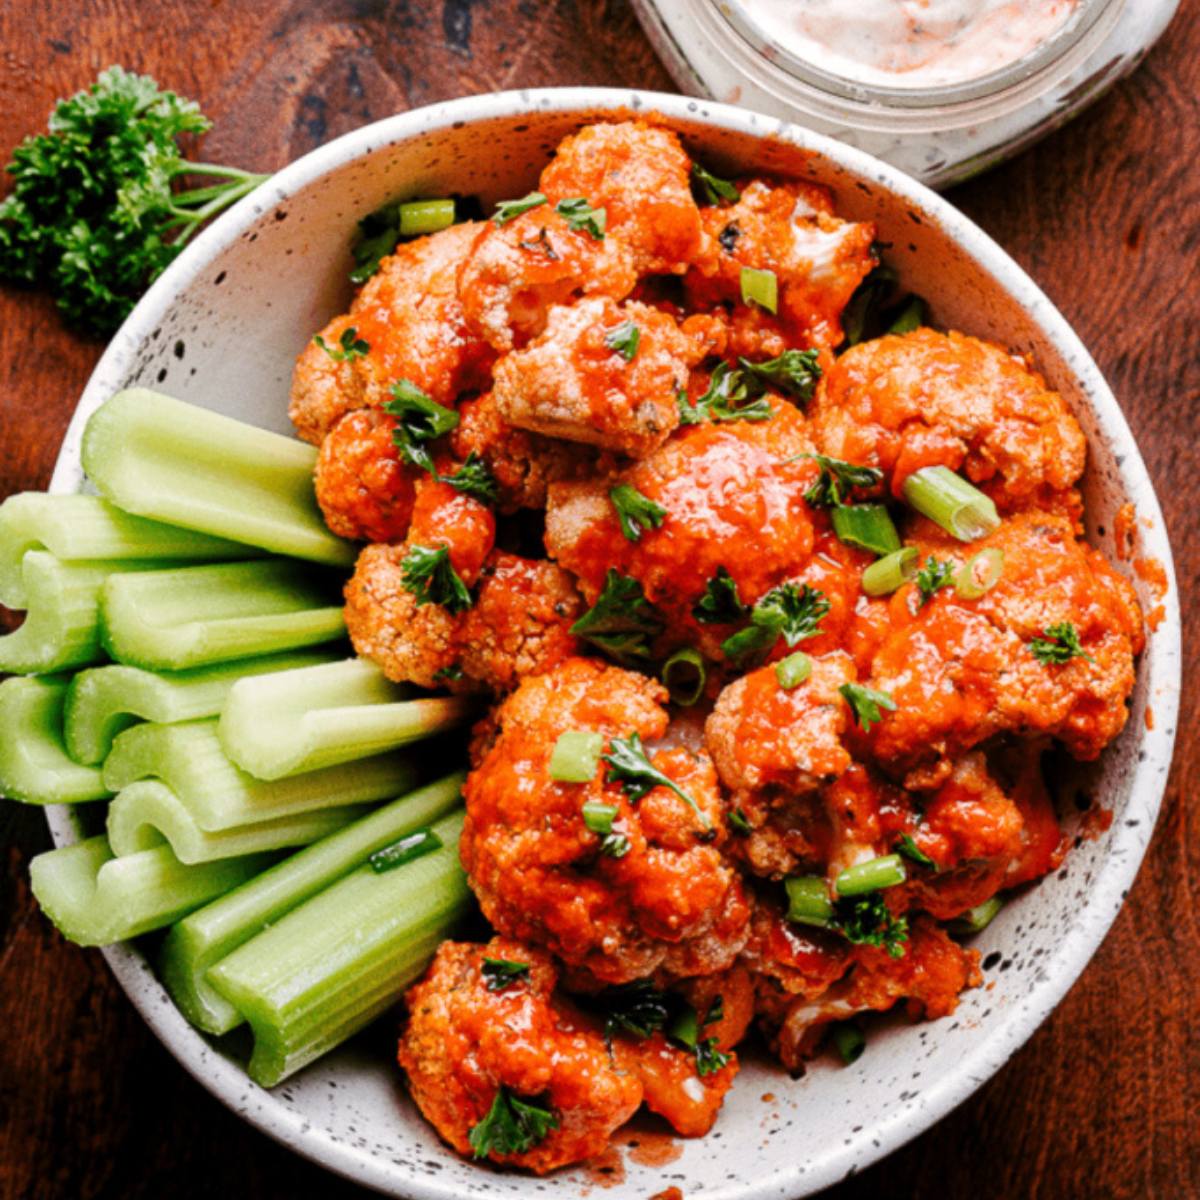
(1103, 1101)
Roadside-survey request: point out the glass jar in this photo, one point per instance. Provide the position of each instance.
(941, 133)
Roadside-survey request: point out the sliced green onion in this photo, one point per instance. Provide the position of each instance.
(887, 574)
(980, 573)
(425, 216)
(161, 458)
(948, 500)
(760, 287)
(685, 1028)
(405, 850)
(206, 936)
(598, 816)
(685, 675)
(849, 1042)
(910, 316)
(977, 919)
(808, 900)
(871, 876)
(576, 756)
(867, 526)
(793, 671)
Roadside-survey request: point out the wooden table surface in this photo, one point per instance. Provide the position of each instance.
(1104, 1100)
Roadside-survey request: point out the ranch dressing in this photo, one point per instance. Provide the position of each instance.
(909, 43)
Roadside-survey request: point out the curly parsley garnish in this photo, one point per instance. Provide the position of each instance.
(932, 577)
(635, 512)
(629, 765)
(350, 346)
(507, 210)
(867, 921)
(511, 1126)
(720, 604)
(793, 612)
(622, 622)
(420, 419)
(836, 479)
(710, 190)
(624, 339)
(474, 478)
(866, 703)
(499, 973)
(580, 215)
(427, 573)
(1058, 644)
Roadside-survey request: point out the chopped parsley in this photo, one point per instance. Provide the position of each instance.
(427, 573)
(474, 478)
(500, 973)
(932, 577)
(622, 622)
(710, 190)
(867, 921)
(794, 372)
(836, 480)
(636, 1008)
(581, 216)
(635, 511)
(686, 1029)
(350, 346)
(732, 395)
(793, 612)
(511, 1126)
(420, 419)
(599, 818)
(866, 703)
(1058, 644)
(910, 850)
(720, 604)
(629, 765)
(507, 210)
(624, 339)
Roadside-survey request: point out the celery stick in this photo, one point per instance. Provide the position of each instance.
(332, 965)
(175, 462)
(209, 934)
(146, 814)
(34, 767)
(193, 616)
(188, 758)
(95, 899)
(89, 527)
(103, 701)
(277, 725)
(62, 626)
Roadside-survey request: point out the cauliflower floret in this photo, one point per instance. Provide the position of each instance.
(409, 315)
(467, 1039)
(925, 398)
(521, 463)
(656, 893)
(641, 176)
(575, 381)
(364, 490)
(517, 272)
(788, 228)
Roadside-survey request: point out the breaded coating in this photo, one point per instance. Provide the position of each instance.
(788, 228)
(790, 962)
(925, 398)
(521, 463)
(960, 671)
(573, 382)
(733, 497)
(465, 1040)
(517, 272)
(641, 176)
(667, 901)
(365, 492)
(409, 314)
(444, 516)
(930, 975)
(672, 1086)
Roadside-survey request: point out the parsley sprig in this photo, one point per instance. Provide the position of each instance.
(791, 611)
(622, 622)
(635, 512)
(932, 577)
(636, 1008)
(624, 339)
(581, 216)
(420, 420)
(836, 479)
(630, 766)
(711, 190)
(511, 1126)
(738, 392)
(507, 210)
(475, 479)
(500, 973)
(867, 921)
(866, 703)
(720, 604)
(1058, 644)
(350, 346)
(429, 575)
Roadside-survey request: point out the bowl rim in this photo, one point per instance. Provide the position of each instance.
(228, 1082)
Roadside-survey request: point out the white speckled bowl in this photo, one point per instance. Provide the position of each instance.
(222, 327)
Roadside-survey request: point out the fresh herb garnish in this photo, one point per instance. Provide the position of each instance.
(580, 215)
(712, 190)
(420, 419)
(511, 1126)
(836, 479)
(622, 622)
(790, 611)
(1058, 644)
(739, 823)
(866, 703)
(878, 307)
(500, 973)
(686, 1030)
(794, 372)
(474, 478)
(506, 210)
(732, 395)
(350, 346)
(451, 674)
(93, 215)
(427, 573)
(635, 512)
(636, 1008)
(910, 850)
(404, 850)
(599, 818)
(867, 921)
(629, 765)
(624, 339)
(720, 604)
(932, 577)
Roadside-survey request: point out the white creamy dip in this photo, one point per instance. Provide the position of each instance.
(909, 43)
